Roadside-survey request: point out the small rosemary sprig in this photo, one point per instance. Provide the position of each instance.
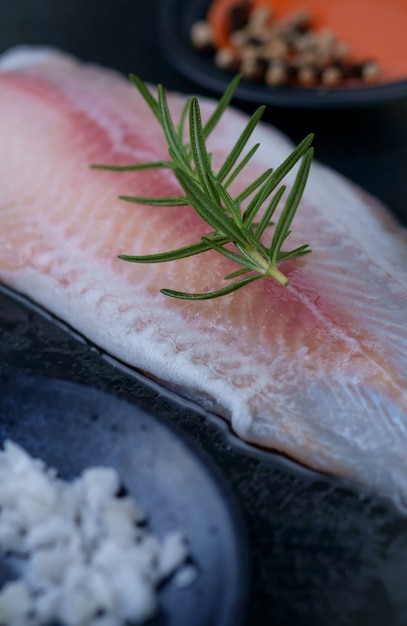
(235, 232)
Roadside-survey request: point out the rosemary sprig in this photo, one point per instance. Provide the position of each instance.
(235, 233)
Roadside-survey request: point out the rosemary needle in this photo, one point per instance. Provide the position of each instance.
(235, 233)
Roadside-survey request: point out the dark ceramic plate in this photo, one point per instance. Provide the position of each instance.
(175, 20)
(321, 553)
(72, 426)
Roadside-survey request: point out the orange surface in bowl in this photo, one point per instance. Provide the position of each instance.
(374, 29)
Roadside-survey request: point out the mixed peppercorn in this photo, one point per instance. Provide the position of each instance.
(283, 51)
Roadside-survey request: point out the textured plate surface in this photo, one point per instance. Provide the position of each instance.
(72, 426)
(321, 553)
(176, 19)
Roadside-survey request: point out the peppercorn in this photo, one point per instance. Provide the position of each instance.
(276, 73)
(238, 15)
(202, 37)
(307, 75)
(253, 68)
(331, 76)
(370, 71)
(227, 59)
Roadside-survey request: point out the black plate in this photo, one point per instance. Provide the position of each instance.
(321, 552)
(72, 426)
(175, 20)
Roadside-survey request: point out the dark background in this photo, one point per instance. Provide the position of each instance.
(322, 553)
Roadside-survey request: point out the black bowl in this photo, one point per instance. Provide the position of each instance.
(72, 426)
(175, 20)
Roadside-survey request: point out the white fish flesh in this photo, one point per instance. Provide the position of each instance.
(316, 370)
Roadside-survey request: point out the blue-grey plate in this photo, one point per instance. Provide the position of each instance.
(73, 426)
(175, 20)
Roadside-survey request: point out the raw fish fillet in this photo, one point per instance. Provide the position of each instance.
(316, 370)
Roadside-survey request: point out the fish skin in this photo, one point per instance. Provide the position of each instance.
(316, 370)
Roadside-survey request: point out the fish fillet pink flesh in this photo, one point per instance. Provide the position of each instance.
(316, 370)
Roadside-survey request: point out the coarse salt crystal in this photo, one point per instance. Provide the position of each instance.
(15, 604)
(84, 558)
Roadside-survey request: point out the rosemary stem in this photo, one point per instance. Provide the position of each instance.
(209, 195)
(260, 260)
(277, 275)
